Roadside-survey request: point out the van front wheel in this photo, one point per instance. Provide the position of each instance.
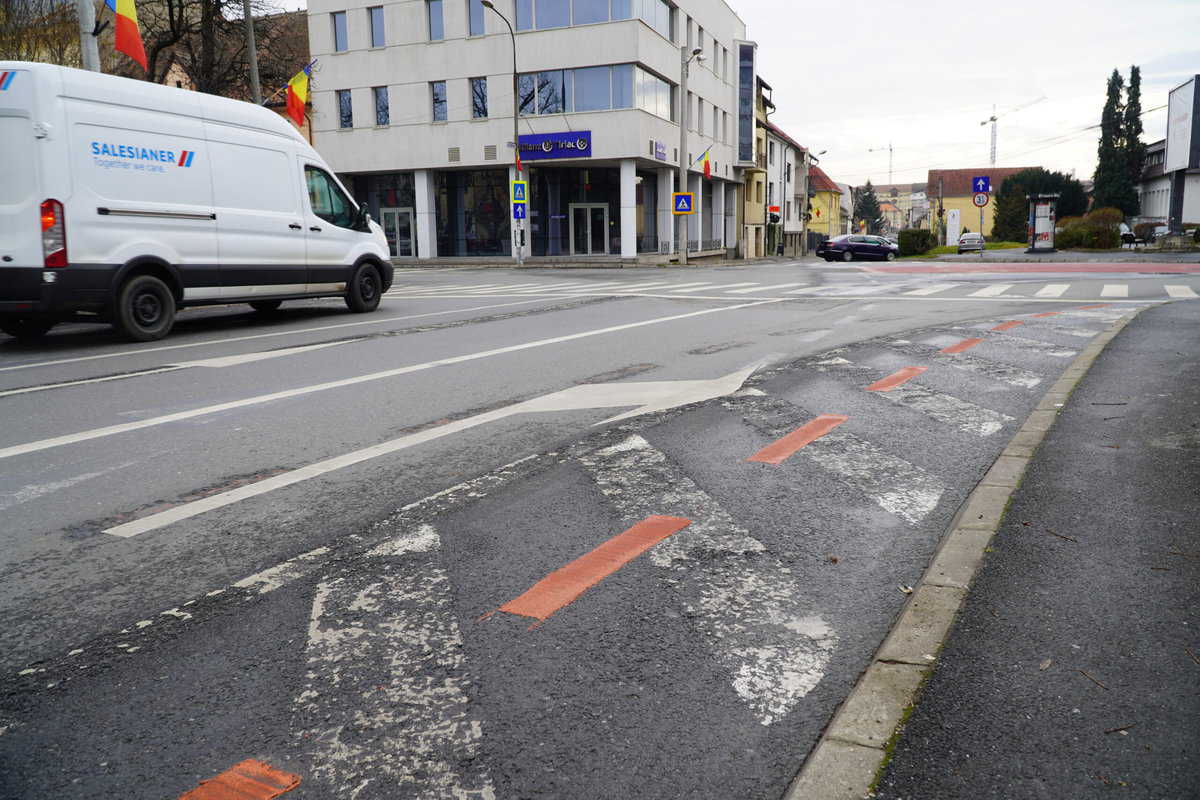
(145, 309)
(364, 291)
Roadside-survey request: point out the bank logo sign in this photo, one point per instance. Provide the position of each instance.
(569, 144)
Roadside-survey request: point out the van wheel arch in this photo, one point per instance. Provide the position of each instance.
(384, 270)
(155, 267)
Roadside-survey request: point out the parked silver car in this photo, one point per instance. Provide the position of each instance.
(970, 241)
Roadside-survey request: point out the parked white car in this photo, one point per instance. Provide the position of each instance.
(124, 200)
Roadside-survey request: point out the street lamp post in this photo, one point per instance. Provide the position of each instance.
(517, 225)
(680, 219)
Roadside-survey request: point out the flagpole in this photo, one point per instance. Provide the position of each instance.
(252, 53)
(89, 50)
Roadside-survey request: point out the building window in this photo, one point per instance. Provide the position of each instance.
(381, 105)
(553, 13)
(437, 91)
(716, 128)
(475, 17)
(691, 120)
(524, 15)
(541, 14)
(690, 34)
(479, 107)
(375, 16)
(770, 152)
(345, 109)
(587, 11)
(585, 89)
(433, 10)
(340, 44)
(725, 127)
(699, 116)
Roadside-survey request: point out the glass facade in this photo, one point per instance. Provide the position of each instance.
(472, 213)
(574, 211)
(541, 14)
(391, 200)
(593, 89)
(647, 213)
(745, 121)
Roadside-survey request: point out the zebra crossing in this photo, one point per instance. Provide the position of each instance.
(835, 287)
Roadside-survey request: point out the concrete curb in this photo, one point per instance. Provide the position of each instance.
(851, 753)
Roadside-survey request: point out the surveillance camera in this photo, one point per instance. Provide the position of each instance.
(699, 51)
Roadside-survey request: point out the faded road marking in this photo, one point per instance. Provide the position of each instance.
(896, 379)
(959, 347)
(563, 586)
(1008, 326)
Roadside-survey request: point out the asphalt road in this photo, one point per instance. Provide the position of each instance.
(398, 555)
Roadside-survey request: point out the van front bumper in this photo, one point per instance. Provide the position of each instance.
(39, 291)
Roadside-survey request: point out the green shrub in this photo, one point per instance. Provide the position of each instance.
(1088, 233)
(915, 241)
(1105, 216)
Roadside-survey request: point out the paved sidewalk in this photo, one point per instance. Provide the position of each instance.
(1074, 668)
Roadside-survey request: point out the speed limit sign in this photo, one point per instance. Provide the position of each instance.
(981, 199)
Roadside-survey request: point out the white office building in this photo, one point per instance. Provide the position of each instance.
(413, 103)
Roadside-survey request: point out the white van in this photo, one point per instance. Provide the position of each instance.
(151, 198)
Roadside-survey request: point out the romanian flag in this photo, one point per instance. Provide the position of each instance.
(297, 95)
(125, 26)
(707, 166)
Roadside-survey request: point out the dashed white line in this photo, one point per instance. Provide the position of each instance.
(1115, 290)
(1052, 290)
(994, 290)
(764, 288)
(1174, 290)
(925, 291)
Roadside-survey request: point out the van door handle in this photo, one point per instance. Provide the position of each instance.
(315, 229)
(295, 227)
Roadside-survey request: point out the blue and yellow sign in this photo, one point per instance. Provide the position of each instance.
(520, 191)
(683, 203)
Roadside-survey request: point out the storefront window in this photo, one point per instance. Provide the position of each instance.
(473, 213)
(647, 213)
(575, 211)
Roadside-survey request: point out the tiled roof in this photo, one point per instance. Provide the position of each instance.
(820, 182)
(888, 207)
(957, 182)
(773, 128)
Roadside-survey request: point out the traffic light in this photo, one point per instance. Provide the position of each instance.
(774, 218)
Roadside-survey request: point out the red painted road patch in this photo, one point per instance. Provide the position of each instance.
(781, 449)
(1097, 305)
(896, 379)
(1046, 314)
(249, 780)
(563, 586)
(1008, 326)
(965, 344)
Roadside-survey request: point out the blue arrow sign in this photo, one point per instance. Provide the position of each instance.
(981, 183)
(683, 202)
(518, 211)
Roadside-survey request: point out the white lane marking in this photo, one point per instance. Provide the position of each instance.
(1042, 325)
(895, 485)
(715, 288)
(249, 358)
(829, 289)
(755, 615)
(283, 573)
(691, 287)
(946, 408)
(35, 490)
(645, 397)
(111, 430)
(924, 291)
(764, 288)
(1175, 290)
(658, 286)
(994, 290)
(43, 387)
(1011, 339)
(997, 370)
(256, 336)
(386, 702)
(1115, 290)
(1052, 290)
(417, 289)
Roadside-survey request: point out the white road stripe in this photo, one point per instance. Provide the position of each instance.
(1010, 339)
(248, 358)
(764, 288)
(657, 286)
(256, 336)
(992, 291)
(1115, 290)
(1042, 325)
(924, 291)
(716, 288)
(756, 617)
(1052, 290)
(1005, 373)
(386, 701)
(85, 381)
(1175, 290)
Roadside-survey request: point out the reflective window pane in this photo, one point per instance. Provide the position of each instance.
(438, 92)
(479, 101)
(475, 9)
(621, 9)
(585, 11)
(339, 31)
(527, 88)
(524, 15)
(553, 13)
(382, 115)
(434, 11)
(550, 92)
(622, 86)
(376, 19)
(592, 92)
(345, 109)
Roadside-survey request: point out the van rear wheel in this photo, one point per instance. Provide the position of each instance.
(266, 306)
(365, 290)
(27, 329)
(145, 309)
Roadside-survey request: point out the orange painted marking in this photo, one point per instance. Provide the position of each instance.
(1098, 305)
(965, 344)
(781, 449)
(1008, 326)
(563, 586)
(249, 780)
(1047, 314)
(895, 379)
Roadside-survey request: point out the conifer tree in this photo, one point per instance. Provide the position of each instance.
(1113, 186)
(866, 208)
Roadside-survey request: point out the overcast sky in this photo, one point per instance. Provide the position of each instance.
(852, 75)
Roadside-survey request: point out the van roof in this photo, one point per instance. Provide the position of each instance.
(89, 85)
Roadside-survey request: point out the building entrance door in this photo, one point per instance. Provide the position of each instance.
(589, 229)
(398, 228)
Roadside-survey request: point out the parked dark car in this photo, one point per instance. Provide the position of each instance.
(850, 246)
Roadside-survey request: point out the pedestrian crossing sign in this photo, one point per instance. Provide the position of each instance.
(683, 203)
(520, 191)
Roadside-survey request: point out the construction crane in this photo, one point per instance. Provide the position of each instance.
(992, 119)
(889, 149)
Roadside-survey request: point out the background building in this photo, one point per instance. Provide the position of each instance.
(413, 107)
(951, 189)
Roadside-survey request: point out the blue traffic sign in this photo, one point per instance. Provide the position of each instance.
(520, 191)
(683, 202)
(981, 183)
(518, 211)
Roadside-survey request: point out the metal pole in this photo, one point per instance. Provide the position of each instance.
(685, 107)
(518, 225)
(89, 51)
(252, 53)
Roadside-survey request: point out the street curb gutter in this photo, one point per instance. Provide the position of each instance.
(855, 746)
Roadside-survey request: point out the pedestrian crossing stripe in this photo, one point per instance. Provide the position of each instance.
(683, 202)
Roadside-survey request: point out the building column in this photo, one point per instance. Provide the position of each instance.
(424, 200)
(718, 212)
(666, 219)
(731, 233)
(628, 208)
(696, 187)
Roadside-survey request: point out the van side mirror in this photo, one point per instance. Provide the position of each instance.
(362, 222)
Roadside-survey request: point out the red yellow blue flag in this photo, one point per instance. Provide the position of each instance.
(297, 94)
(128, 36)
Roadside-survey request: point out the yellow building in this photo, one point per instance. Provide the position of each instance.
(754, 207)
(951, 189)
(825, 205)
